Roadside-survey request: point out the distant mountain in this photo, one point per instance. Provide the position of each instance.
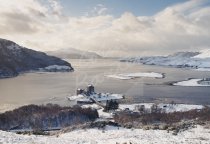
(72, 53)
(15, 59)
(196, 60)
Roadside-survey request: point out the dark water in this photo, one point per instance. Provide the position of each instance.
(40, 88)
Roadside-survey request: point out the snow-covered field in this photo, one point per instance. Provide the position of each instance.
(168, 108)
(136, 75)
(190, 82)
(112, 135)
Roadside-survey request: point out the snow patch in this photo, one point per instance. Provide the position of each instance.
(203, 54)
(55, 68)
(168, 108)
(190, 82)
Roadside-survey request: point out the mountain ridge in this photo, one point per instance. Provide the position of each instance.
(72, 53)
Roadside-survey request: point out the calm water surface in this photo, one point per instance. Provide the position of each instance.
(42, 88)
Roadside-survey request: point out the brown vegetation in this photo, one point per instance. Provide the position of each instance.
(158, 117)
(45, 117)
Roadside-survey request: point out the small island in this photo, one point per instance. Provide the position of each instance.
(205, 82)
(129, 76)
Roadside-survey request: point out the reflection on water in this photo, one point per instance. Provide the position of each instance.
(42, 88)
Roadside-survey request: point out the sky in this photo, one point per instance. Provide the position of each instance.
(109, 27)
(116, 7)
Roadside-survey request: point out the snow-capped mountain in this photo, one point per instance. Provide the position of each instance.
(196, 60)
(72, 53)
(15, 59)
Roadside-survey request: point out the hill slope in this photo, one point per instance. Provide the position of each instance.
(15, 59)
(195, 60)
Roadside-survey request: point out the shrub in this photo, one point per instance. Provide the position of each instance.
(168, 118)
(45, 117)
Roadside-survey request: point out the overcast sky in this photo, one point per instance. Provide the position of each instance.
(108, 27)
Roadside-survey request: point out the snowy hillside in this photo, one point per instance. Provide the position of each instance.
(72, 53)
(195, 60)
(15, 59)
(113, 135)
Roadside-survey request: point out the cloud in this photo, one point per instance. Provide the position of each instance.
(55, 7)
(98, 10)
(43, 26)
